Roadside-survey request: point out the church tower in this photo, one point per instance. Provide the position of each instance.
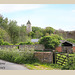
(28, 27)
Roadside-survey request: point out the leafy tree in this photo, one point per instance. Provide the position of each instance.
(49, 30)
(32, 34)
(34, 29)
(3, 23)
(38, 34)
(13, 31)
(22, 34)
(50, 42)
(4, 35)
(47, 34)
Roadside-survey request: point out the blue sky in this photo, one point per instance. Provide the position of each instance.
(58, 16)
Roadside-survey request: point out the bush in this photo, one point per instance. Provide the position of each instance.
(22, 43)
(1, 42)
(5, 43)
(70, 65)
(71, 40)
(50, 42)
(26, 43)
(29, 43)
(13, 55)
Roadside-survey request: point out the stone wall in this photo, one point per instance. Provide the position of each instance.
(8, 46)
(44, 56)
(36, 47)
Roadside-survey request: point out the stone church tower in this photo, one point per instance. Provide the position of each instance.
(28, 27)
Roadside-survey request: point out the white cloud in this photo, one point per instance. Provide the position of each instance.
(8, 8)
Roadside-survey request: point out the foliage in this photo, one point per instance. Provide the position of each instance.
(70, 65)
(26, 43)
(1, 42)
(4, 35)
(50, 42)
(32, 34)
(42, 66)
(61, 59)
(49, 30)
(13, 31)
(71, 40)
(13, 55)
(5, 43)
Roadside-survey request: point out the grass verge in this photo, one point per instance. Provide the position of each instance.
(43, 66)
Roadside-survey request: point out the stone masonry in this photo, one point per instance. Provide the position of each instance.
(44, 56)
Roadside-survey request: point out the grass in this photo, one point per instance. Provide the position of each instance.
(42, 66)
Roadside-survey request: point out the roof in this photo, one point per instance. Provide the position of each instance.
(28, 22)
(63, 41)
(34, 40)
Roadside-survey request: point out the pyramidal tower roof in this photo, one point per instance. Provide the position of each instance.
(28, 22)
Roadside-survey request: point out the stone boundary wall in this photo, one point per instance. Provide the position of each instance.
(44, 56)
(8, 46)
(36, 47)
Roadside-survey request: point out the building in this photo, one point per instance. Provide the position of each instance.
(28, 27)
(66, 46)
(34, 40)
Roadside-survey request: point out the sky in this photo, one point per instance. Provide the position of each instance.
(58, 16)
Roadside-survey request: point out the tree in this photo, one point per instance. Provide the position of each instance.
(3, 23)
(50, 42)
(32, 34)
(38, 34)
(49, 30)
(13, 32)
(4, 35)
(22, 34)
(34, 29)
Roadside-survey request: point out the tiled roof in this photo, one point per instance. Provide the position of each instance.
(62, 41)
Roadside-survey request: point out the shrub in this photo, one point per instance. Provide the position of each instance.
(1, 42)
(70, 65)
(22, 43)
(71, 40)
(26, 43)
(50, 42)
(5, 43)
(13, 55)
(29, 43)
